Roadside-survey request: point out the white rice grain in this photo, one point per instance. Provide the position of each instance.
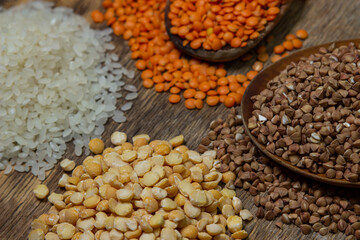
(2, 166)
(58, 83)
(130, 88)
(126, 106)
(131, 96)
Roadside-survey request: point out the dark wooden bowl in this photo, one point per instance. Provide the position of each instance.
(259, 83)
(226, 53)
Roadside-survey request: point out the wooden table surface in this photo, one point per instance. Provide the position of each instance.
(325, 20)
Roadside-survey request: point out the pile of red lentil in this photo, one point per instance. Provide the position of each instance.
(291, 42)
(163, 66)
(212, 24)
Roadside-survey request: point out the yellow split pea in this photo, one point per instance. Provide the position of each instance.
(142, 190)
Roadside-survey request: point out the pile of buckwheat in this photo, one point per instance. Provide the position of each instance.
(310, 113)
(278, 195)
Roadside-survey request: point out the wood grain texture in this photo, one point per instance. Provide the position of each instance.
(325, 20)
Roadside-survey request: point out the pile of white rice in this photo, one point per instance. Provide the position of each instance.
(58, 82)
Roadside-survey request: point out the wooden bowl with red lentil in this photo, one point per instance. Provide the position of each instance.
(227, 39)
